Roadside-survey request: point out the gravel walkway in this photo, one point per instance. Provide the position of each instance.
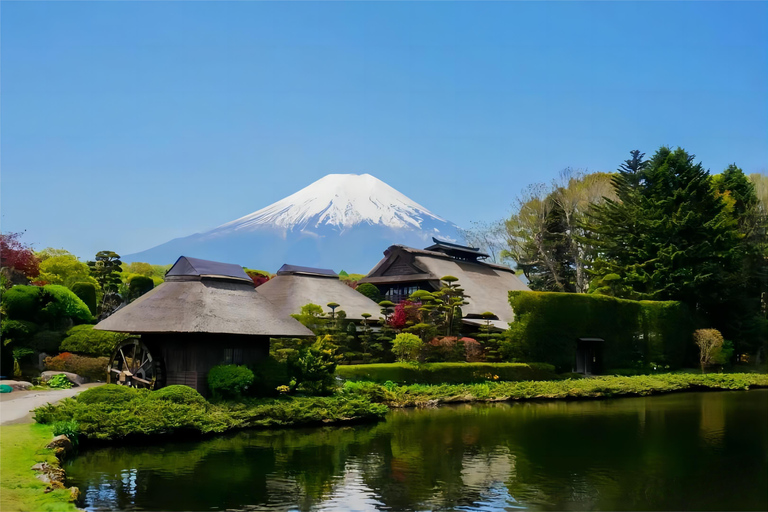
(17, 407)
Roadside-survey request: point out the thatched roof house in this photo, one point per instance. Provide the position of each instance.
(404, 270)
(205, 313)
(294, 287)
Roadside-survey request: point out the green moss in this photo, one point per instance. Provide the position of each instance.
(22, 446)
(450, 373)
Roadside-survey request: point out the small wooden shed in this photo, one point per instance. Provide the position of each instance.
(206, 313)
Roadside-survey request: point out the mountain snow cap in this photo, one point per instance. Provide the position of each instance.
(341, 201)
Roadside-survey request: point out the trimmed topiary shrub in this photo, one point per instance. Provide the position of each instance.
(84, 339)
(138, 286)
(65, 306)
(108, 393)
(548, 325)
(22, 302)
(229, 381)
(87, 293)
(370, 291)
(446, 373)
(179, 394)
(407, 346)
(93, 368)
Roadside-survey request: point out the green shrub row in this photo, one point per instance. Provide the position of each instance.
(597, 387)
(112, 412)
(453, 373)
(547, 326)
(51, 304)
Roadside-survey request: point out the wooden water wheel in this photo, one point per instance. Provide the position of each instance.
(132, 364)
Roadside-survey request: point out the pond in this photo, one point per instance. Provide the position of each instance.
(685, 451)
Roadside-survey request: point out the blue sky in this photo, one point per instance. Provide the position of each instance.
(127, 124)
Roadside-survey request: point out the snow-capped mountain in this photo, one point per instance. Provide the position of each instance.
(339, 221)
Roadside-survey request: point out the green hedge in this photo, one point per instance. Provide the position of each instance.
(51, 304)
(547, 326)
(450, 373)
(87, 293)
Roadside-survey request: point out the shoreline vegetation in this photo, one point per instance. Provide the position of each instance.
(114, 413)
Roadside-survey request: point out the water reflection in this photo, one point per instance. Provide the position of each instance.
(703, 451)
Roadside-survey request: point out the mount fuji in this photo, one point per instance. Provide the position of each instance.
(341, 221)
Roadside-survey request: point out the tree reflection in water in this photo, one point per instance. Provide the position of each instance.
(702, 451)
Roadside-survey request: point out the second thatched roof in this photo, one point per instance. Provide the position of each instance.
(294, 287)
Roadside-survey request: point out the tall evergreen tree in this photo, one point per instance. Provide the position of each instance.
(669, 235)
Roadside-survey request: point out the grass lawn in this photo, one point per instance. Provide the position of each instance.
(22, 446)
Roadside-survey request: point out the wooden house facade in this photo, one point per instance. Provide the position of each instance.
(403, 270)
(205, 313)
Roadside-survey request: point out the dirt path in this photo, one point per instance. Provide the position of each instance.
(17, 407)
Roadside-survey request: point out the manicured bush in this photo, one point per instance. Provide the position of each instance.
(449, 373)
(595, 387)
(141, 414)
(108, 393)
(65, 306)
(548, 325)
(179, 394)
(84, 339)
(407, 346)
(22, 302)
(370, 291)
(93, 368)
(51, 304)
(138, 286)
(87, 293)
(269, 374)
(229, 381)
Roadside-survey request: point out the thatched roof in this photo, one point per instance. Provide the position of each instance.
(290, 290)
(190, 301)
(487, 285)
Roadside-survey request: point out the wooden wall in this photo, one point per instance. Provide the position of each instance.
(188, 357)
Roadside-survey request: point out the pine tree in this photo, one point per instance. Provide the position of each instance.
(669, 235)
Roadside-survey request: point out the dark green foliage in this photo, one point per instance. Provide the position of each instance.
(229, 381)
(22, 302)
(138, 286)
(178, 394)
(311, 369)
(46, 341)
(17, 331)
(108, 393)
(52, 305)
(596, 387)
(547, 326)
(268, 375)
(139, 414)
(668, 237)
(87, 293)
(6, 360)
(370, 291)
(67, 428)
(450, 373)
(84, 339)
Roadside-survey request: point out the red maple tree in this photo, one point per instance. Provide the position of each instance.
(17, 256)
